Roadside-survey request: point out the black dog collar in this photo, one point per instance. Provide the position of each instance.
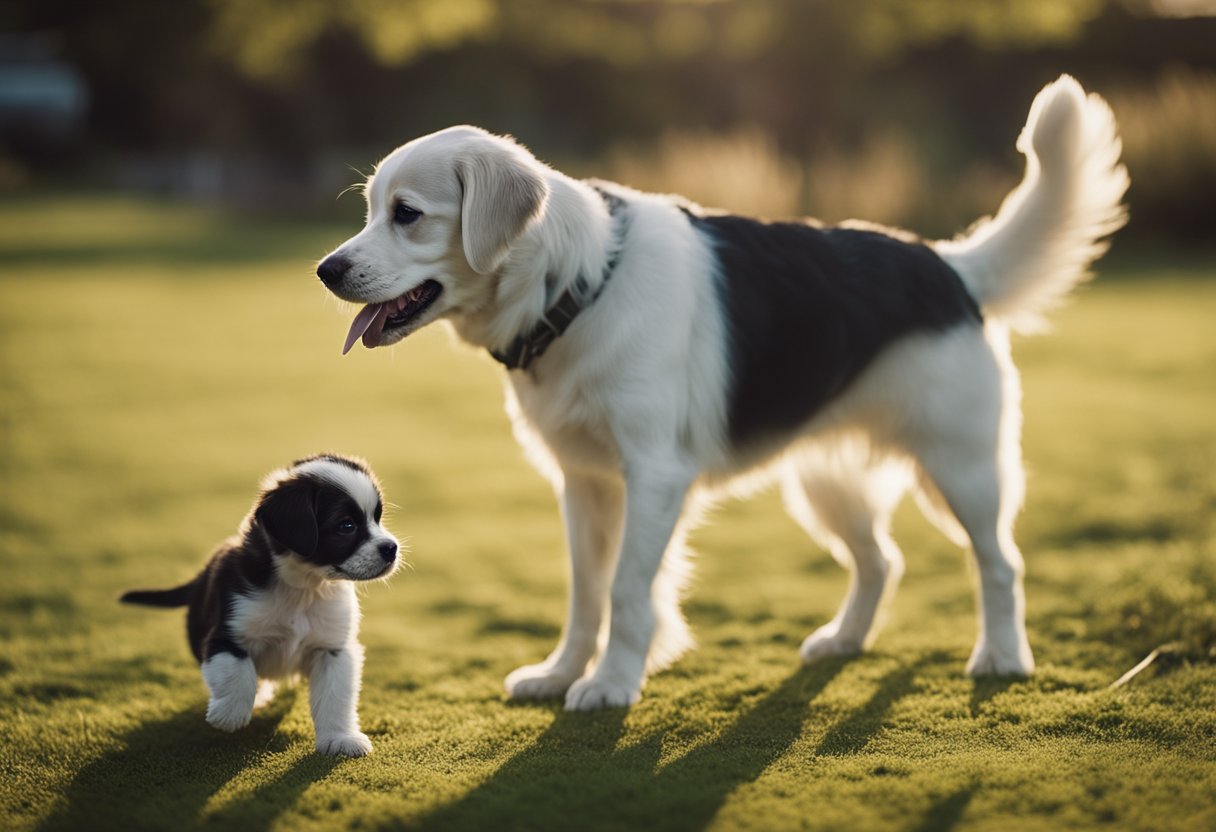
(529, 346)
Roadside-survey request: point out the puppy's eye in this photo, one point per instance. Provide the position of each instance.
(405, 215)
(347, 526)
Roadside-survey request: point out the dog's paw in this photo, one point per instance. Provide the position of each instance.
(265, 695)
(345, 745)
(538, 681)
(227, 714)
(826, 643)
(592, 694)
(1013, 659)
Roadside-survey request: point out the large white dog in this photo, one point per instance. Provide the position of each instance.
(658, 351)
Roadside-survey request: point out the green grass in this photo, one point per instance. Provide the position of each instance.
(156, 361)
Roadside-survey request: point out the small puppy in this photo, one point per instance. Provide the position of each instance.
(277, 599)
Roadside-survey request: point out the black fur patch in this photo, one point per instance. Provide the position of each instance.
(239, 566)
(808, 308)
(334, 509)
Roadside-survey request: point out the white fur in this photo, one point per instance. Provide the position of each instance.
(302, 625)
(333, 691)
(355, 483)
(626, 412)
(233, 686)
(284, 627)
(1025, 260)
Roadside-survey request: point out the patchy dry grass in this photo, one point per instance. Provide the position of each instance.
(155, 362)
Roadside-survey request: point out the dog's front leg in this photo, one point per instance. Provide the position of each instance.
(333, 693)
(654, 501)
(232, 682)
(592, 508)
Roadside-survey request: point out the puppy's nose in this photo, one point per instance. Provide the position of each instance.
(332, 269)
(388, 550)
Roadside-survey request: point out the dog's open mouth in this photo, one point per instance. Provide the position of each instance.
(375, 319)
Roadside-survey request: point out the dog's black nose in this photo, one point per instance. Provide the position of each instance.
(388, 550)
(332, 269)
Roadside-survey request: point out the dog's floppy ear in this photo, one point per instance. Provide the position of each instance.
(504, 190)
(288, 513)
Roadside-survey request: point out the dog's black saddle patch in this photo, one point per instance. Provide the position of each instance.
(807, 308)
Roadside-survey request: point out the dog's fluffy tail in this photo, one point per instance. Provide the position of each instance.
(1022, 262)
(178, 596)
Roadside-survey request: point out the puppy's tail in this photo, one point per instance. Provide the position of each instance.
(1022, 262)
(179, 596)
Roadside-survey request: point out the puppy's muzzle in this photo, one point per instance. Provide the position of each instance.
(333, 269)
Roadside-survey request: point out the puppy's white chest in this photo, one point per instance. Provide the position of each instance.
(283, 628)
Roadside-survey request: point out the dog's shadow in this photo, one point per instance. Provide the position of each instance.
(166, 772)
(551, 785)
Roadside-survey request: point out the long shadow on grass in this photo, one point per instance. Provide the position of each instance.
(947, 811)
(986, 688)
(167, 770)
(850, 734)
(575, 772)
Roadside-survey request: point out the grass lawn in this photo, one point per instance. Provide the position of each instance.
(156, 361)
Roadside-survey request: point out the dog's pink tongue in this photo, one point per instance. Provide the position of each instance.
(370, 319)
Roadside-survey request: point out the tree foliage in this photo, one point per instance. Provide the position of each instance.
(285, 85)
(271, 38)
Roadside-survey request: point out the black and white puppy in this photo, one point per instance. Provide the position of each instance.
(659, 352)
(277, 600)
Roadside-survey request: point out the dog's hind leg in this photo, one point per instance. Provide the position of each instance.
(972, 457)
(972, 488)
(845, 501)
(593, 509)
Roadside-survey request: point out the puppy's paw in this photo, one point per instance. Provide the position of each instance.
(266, 692)
(228, 714)
(538, 681)
(1013, 659)
(827, 642)
(592, 694)
(345, 745)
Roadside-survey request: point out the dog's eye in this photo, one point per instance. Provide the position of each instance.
(347, 526)
(405, 215)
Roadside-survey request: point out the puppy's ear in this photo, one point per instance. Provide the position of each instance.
(288, 513)
(504, 190)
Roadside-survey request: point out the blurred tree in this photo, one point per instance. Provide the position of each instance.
(287, 85)
(270, 39)
(886, 26)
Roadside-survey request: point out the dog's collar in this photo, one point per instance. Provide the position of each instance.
(529, 346)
